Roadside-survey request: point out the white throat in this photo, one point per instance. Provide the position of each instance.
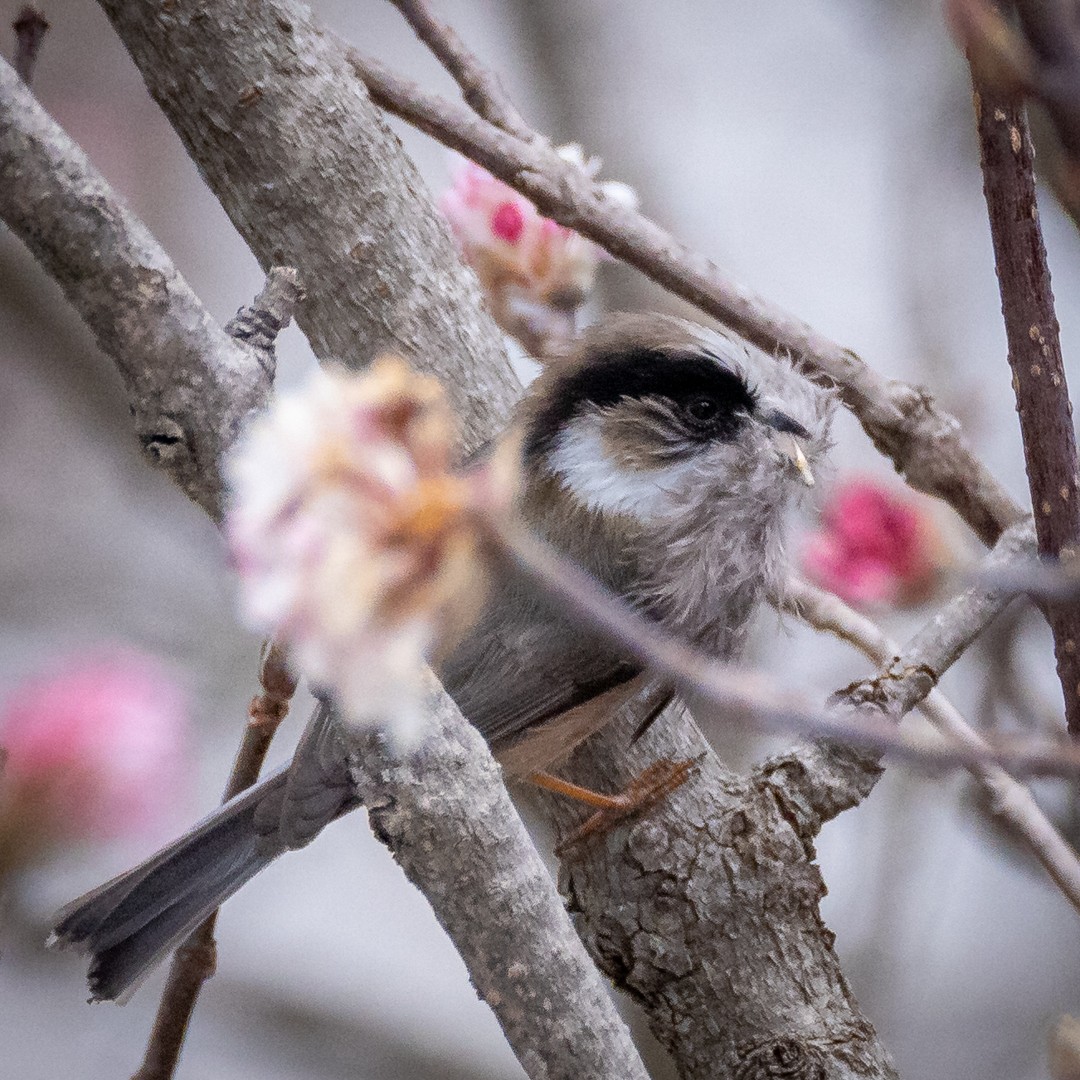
(579, 459)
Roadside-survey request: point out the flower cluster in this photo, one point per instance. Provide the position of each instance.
(513, 248)
(353, 538)
(92, 749)
(875, 547)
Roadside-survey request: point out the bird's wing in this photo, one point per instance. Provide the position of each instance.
(545, 746)
(521, 673)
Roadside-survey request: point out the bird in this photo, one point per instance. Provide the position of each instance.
(663, 457)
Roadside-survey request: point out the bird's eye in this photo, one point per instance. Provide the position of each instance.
(702, 409)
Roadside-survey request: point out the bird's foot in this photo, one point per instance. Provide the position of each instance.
(647, 789)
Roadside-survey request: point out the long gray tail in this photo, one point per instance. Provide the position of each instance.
(129, 924)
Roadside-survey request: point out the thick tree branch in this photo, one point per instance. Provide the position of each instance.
(190, 385)
(924, 443)
(400, 225)
(311, 177)
(1031, 326)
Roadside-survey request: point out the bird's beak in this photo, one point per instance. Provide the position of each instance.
(787, 436)
(789, 446)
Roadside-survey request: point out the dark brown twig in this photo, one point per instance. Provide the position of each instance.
(196, 958)
(30, 27)
(924, 443)
(482, 89)
(1031, 326)
(1039, 59)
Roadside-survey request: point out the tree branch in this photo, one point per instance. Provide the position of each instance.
(1007, 799)
(196, 958)
(190, 385)
(826, 778)
(364, 186)
(481, 89)
(311, 177)
(924, 443)
(1031, 326)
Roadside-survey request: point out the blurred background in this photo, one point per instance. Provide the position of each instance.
(823, 153)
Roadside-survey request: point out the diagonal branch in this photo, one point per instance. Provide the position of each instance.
(482, 89)
(826, 778)
(553, 1005)
(196, 958)
(1031, 326)
(924, 443)
(1009, 800)
(190, 385)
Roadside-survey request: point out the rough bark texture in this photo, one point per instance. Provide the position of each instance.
(708, 908)
(1031, 326)
(706, 911)
(190, 385)
(288, 140)
(192, 380)
(242, 113)
(523, 955)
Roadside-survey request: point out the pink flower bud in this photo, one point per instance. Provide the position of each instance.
(876, 547)
(94, 748)
(511, 247)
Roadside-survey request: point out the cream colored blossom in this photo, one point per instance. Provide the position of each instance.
(353, 537)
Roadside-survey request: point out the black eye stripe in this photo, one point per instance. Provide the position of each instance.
(678, 378)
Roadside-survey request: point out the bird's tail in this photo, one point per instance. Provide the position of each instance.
(129, 924)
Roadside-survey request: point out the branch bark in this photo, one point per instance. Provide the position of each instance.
(1011, 802)
(101, 254)
(924, 443)
(190, 385)
(268, 107)
(1031, 326)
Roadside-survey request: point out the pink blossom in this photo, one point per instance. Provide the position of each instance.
(511, 246)
(94, 748)
(876, 547)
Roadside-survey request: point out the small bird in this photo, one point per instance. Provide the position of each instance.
(662, 457)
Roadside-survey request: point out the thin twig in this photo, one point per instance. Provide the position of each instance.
(196, 958)
(482, 89)
(1008, 799)
(924, 443)
(30, 27)
(752, 698)
(1031, 326)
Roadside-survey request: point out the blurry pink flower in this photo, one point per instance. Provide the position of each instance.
(353, 538)
(94, 749)
(875, 548)
(511, 246)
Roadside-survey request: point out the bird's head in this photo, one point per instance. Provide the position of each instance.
(653, 418)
